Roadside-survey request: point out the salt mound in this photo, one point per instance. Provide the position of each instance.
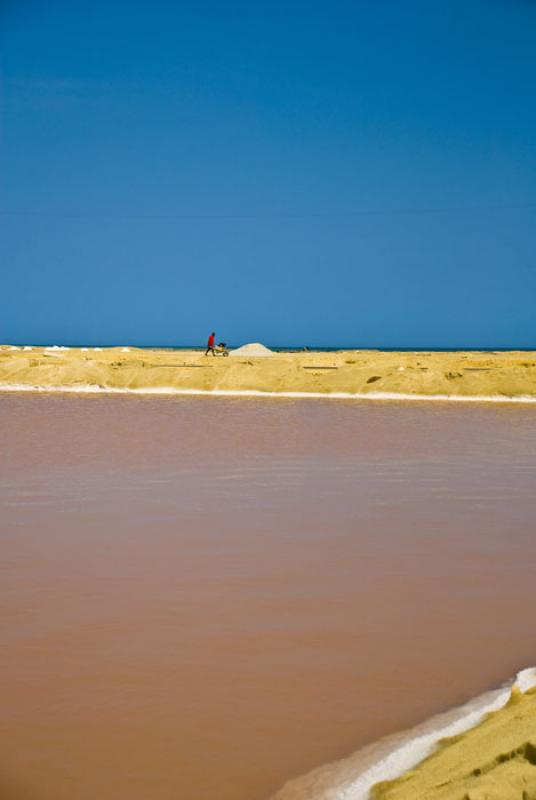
(254, 349)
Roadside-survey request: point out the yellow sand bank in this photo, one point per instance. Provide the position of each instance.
(474, 374)
(494, 761)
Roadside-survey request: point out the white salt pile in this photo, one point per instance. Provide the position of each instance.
(125, 350)
(253, 349)
(27, 347)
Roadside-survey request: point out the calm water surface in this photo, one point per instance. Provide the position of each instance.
(203, 597)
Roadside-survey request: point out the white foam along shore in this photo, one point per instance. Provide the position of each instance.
(352, 778)
(170, 390)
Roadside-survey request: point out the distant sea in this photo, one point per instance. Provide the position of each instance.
(316, 348)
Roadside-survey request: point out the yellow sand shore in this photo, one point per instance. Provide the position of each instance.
(474, 374)
(496, 760)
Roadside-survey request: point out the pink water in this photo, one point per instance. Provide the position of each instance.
(204, 597)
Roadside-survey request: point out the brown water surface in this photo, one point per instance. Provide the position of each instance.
(204, 597)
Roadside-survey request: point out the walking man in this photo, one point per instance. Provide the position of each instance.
(211, 345)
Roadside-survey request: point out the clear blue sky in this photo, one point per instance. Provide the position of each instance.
(359, 173)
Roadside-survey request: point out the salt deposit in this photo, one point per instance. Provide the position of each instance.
(253, 349)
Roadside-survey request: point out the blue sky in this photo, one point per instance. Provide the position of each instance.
(353, 173)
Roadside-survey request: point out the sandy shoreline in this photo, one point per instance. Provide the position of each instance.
(252, 393)
(484, 750)
(345, 374)
(496, 760)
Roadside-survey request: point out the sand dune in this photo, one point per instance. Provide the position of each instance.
(473, 374)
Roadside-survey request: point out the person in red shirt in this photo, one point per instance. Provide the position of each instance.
(211, 345)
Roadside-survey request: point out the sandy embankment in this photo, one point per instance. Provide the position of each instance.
(494, 761)
(484, 750)
(461, 375)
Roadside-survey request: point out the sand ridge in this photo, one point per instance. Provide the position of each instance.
(450, 374)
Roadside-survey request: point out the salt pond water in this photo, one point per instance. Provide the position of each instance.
(204, 597)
